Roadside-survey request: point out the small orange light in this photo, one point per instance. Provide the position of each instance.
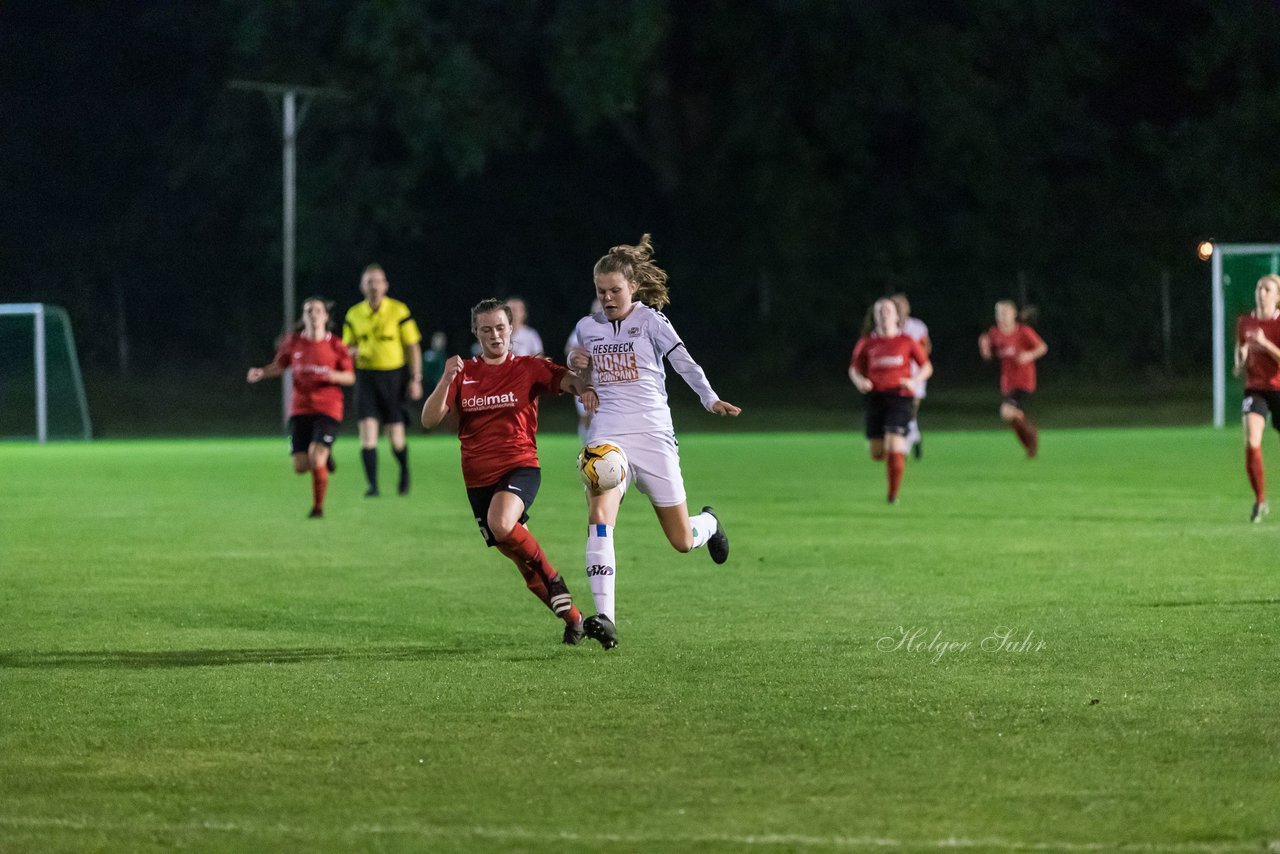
(1205, 250)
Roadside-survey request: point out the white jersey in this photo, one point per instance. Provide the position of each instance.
(916, 330)
(628, 373)
(526, 341)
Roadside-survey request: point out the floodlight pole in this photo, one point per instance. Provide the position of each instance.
(292, 115)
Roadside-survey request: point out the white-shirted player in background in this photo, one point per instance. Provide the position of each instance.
(622, 351)
(584, 417)
(525, 340)
(916, 329)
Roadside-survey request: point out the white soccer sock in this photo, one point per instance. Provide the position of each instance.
(601, 567)
(913, 433)
(703, 525)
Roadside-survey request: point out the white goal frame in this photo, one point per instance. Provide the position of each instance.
(38, 311)
(1220, 251)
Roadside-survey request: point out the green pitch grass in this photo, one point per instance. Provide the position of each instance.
(1077, 653)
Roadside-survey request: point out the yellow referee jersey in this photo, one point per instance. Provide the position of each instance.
(380, 336)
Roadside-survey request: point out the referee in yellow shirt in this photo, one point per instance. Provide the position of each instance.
(383, 337)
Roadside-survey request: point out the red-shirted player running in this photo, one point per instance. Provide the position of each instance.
(320, 364)
(1258, 357)
(1017, 346)
(881, 368)
(495, 396)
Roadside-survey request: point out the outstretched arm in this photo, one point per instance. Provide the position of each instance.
(579, 362)
(582, 389)
(574, 384)
(693, 374)
(266, 372)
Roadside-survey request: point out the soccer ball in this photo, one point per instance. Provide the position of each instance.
(602, 466)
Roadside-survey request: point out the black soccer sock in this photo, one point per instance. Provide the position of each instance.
(402, 457)
(369, 456)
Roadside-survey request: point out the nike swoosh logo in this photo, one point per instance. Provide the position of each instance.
(470, 382)
(514, 488)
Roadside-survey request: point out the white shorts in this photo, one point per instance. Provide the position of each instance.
(654, 462)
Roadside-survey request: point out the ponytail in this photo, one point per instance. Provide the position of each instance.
(635, 263)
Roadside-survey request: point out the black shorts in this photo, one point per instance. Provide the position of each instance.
(521, 482)
(1261, 401)
(307, 429)
(1018, 398)
(888, 413)
(383, 395)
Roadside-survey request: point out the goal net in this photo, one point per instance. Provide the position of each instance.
(41, 390)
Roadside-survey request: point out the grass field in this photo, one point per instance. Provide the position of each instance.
(187, 663)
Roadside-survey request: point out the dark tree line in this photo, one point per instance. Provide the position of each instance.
(793, 158)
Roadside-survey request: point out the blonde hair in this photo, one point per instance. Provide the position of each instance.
(635, 263)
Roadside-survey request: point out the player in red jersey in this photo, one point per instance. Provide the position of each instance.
(1258, 358)
(495, 397)
(881, 368)
(1017, 346)
(320, 364)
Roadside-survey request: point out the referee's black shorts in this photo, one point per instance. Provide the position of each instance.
(383, 395)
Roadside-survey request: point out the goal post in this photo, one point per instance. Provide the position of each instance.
(41, 388)
(1236, 270)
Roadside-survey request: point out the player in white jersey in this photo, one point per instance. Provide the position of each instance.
(571, 344)
(525, 340)
(917, 330)
(622, 347)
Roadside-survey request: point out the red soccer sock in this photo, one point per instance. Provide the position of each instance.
(1253, 465)
(540, 576)
(532, 579)
(894, 464)
(523, 550)
(319, 486)
(1027, 434)
(523, 544)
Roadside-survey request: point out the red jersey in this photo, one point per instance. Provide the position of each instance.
(1261, 369)
(1006, 346)
(311, 363)
(886, 361)
(497, 408)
